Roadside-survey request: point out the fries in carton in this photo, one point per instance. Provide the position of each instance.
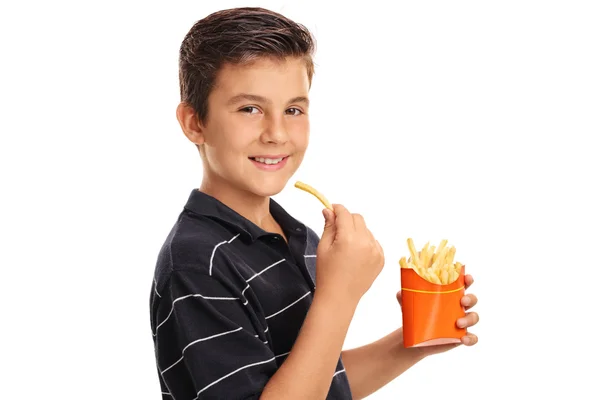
(432, 287)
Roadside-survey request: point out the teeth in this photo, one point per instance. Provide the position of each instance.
(268, 160)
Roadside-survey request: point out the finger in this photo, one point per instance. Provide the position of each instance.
(381, 253)
(376, 242)
(329, 217)
(468, 301)
(399, 297)
(468, 281)
(469, 339)
(329, 230)
(359, 222)
(379, 248)
(470, 319)
(343, 219)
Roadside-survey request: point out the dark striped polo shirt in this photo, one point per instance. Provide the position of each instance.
(228, 300)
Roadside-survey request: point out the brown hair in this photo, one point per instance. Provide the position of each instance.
(237, 36)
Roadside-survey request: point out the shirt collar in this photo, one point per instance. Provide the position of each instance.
(203, 204)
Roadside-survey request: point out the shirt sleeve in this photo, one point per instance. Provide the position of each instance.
(208, 343)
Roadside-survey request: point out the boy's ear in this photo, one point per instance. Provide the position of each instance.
(190, 124)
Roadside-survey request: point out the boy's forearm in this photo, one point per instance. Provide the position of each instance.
(309, 368)
(373, 366)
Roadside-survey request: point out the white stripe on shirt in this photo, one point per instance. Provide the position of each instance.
(212, 256)
(156, 291)
(339, 372)
(258, 273)
(285, 308)
(197, 341)
(185, 297)
(231, 373)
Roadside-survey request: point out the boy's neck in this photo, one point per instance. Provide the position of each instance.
(253, 208)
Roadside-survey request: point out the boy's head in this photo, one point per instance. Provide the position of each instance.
(245, 74)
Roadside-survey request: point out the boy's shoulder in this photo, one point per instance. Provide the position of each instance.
(190, 244)
(206, 233)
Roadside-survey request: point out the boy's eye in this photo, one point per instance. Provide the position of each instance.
(293, 111)
(249, 110)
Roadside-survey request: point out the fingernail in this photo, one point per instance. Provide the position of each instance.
(461, 323)
(466, 301)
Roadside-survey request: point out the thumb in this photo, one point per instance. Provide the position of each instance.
(329, 229)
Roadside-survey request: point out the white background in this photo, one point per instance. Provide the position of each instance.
(473, 121)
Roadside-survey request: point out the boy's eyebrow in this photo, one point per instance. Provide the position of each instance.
(300, 99)
(260, 99)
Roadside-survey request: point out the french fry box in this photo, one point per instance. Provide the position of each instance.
(430, 311)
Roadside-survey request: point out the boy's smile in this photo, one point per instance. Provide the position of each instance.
(270, 163)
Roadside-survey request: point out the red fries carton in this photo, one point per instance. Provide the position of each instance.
(430, 310)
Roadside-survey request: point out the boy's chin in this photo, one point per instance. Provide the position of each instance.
(268, 189)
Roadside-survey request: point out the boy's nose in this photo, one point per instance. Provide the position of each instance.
(274, 131)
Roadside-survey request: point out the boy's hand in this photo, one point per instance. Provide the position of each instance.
(471, 318)
(348, 257)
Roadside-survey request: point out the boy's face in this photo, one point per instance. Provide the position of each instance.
(257, 129)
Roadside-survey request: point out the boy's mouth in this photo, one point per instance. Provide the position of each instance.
(269, 160)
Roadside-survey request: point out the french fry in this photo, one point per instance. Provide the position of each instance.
(440, 249)
(453, 276)
(403, 263)
(450, 256)
(444, 275)
(429, 258)
(314, 192)
(434, 265)
(424, 254)
(413, 252)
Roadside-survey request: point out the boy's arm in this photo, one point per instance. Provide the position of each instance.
(309, 369)
(373, 366)
(348, 260)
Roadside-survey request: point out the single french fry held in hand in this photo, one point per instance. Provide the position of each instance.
(434, 265)
(314, 192)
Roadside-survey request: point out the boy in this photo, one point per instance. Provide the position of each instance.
(247, 302)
